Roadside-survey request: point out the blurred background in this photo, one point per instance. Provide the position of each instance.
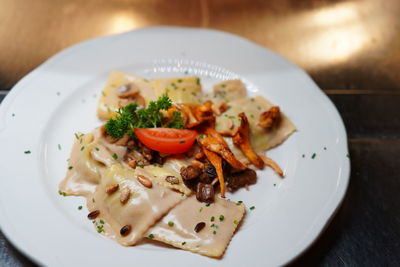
(351, 48)
(343, 44)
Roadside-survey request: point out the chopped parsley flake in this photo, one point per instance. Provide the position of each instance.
(274, 184)
(59, 147)
(115, 156)
(82, 148)
(313, 155)
(303, 156)
(97, 149)
(100, 228)
(348, 155)
(235, 222)
(93, 200)
(27, 152)
(13, 114)
(101, 221)
(79, 207)
(201, 209)
(239, 202)
(76, 136)
(214, 232)
(183, 243)
(170, 224)
(221, 218)
(252, 208)
(62, 193)
(180, 80)
(212, 218)
(223, 85)
(198, 81)
(214, 226)
(70, 167)
(208, 204)
(151, 236)
(182, 142)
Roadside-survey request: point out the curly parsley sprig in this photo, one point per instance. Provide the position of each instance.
(130, 117)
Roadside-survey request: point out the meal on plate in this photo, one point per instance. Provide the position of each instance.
(165, 155)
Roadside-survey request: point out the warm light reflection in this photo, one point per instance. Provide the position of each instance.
(122, 22)
(322, 37)
(338, 14)
(338, 34)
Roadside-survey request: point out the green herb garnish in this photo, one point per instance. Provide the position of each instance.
(27, 152)
(221, 218)
(130, 117)
(252, 207)
(79, 207)
(151, 236)
(212, 218)
(313, 156)
(115, 156)
(170, 224)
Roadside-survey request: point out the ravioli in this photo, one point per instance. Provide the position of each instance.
(180, 90)
(261, 139)
(144, 207)
(229, 90)
(90, 155)
(109, 102)
(177, 227)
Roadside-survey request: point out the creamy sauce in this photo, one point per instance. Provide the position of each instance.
(213, 239)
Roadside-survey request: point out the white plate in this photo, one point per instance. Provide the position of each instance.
(58, 98)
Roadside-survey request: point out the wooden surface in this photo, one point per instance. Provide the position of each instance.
(350, 48)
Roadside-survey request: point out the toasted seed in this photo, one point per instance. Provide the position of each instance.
(144, 181)
(172, 179)
(199, 226)
(93, 215)
(112, 188)
(125, 195)
(125, 230)
(132, 163)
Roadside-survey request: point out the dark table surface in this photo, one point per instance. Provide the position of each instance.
(350, 48)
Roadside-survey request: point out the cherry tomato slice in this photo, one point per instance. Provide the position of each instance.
(166, 140)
